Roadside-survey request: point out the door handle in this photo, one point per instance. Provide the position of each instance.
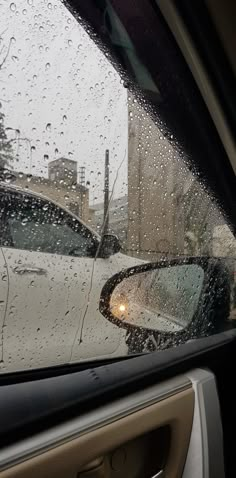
(29, 270)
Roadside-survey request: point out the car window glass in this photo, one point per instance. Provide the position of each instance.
(40, 226)
(87, 170)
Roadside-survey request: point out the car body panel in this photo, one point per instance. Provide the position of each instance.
(3, 301)
(52, 311)
(97, 337)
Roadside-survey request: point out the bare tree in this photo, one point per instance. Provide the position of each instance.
(4, 51)
(6, 151)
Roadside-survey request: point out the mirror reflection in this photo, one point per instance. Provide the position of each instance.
(163, 299)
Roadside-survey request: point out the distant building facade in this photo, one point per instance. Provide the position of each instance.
(118, 218)
(155, 189)
(63, 170)
(61, 186)
(169, 212)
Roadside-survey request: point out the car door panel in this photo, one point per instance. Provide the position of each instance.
(53, 296)
(44, 309)
(119, 434)
(4, 280)
(133, 399)
(98, 337)
(163, 430)
(63, 293)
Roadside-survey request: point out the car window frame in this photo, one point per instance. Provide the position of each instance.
(211, 138)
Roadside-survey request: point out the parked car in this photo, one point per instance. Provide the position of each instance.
(51, 284)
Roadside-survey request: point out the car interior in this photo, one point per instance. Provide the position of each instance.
(170, 413)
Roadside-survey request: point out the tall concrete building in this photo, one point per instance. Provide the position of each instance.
(155, 189)
(169, 211)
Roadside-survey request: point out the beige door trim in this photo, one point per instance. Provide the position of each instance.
(98, 417)
(67, 459)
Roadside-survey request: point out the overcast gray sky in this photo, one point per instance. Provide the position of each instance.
(61, 92)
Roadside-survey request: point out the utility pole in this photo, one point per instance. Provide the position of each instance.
(82, 185)
(106, 194)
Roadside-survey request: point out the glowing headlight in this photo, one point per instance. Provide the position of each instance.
(119, 306)
(122, 308)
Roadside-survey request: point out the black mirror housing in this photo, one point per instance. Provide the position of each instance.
(109, 246)
(212, 309)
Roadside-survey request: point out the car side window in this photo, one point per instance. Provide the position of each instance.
(103, 139)
(37, 225)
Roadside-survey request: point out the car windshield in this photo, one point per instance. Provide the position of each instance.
(84, 155)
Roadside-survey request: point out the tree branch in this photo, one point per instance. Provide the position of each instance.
(6, 56)
(18, 139)
(1, 34)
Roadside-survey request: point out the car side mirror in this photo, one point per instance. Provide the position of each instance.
(110, 245)
(178, 298)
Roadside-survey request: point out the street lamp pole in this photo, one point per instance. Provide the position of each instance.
(106, 194)
(17, 138)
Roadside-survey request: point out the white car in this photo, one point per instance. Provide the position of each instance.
(51, 285)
